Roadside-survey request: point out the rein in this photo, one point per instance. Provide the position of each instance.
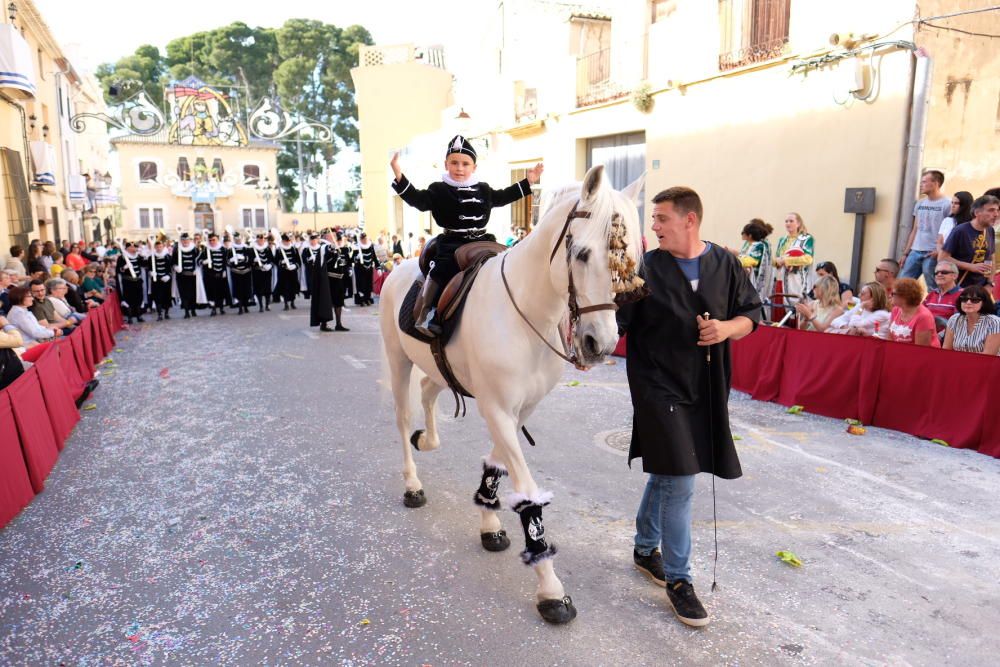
(575, 311)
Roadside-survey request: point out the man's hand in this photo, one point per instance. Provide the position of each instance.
(394, 163)
(713, 332)
(535, 174)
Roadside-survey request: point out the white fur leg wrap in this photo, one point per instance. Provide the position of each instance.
(516, 500)
(529, 511)
(486, 494)
(529, 558)
(490, 462)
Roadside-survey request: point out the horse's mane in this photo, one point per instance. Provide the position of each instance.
(557, 203)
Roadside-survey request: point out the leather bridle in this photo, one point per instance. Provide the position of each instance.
(575, 311)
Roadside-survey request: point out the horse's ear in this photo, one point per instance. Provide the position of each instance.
(634, 189)
(592, 182)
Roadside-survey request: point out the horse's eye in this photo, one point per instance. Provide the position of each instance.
(583, 255)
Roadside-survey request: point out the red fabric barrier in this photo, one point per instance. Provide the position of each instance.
(67, 360)
(103, 333)
(37, 440)
(919, 394)
(892, 385)
(97, 342)
(15, 485)
(58, 398)
(83, 345)
(33, 353)
(114, 310)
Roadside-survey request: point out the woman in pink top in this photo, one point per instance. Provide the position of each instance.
(911, 321)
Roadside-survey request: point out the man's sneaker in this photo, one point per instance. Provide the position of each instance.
(651, 566)
(686, 604)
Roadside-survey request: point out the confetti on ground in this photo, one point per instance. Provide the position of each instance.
(856, 429)
(611, 362)
(365, 621)
(939, 441)
(293, 356)
(573, 383)
(90, 406)
(164, 372)
(118, 349)
(790, 558)
(795, 409)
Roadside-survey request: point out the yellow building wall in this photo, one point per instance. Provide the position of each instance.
(963, 124)
(179, 211)
(396, 102)
(316, 221)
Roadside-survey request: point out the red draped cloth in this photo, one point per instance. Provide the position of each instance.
(15, 484)
(58, 397)
(38, 442)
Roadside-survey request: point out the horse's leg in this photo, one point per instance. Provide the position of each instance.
(553, 603)
(400, 368)
(427, 440)
(491, 534)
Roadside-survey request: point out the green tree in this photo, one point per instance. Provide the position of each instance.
(144, 69)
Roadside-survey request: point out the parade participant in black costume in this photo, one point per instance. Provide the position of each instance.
(261, 267)
(188, 274)
(239, 273)
(287, 259)
(213, 259)
(310, 256)
(461, 205)
(328, 286)
(364, 269)
(130, 281)
(160, 269)
(346, 244)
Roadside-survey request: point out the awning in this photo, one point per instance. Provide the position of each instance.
(78, 189)
(17, 67)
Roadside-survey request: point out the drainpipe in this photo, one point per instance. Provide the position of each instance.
(920, 88)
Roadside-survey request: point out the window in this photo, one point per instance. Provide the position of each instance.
(217, 170)
(147, 172)
(661, 9)
(253, 217)
(150, 218)
(251, 174)
(183, 169)
(752, 31)
(524, 212)
(15, 191)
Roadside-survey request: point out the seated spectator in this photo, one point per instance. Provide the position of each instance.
(44, 309)
(32, 332)
(75, 259)
(885, 275)
(911, 321)
(57, 265)
(819, 314)
(830, 269)
(93, 284)
(15, 264)
(942, 301)
(868, 317)
(74, 296)
(57, 289)
(5, 280)
(11, 348)
(969, 329)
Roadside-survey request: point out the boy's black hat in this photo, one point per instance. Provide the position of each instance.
(460, 144)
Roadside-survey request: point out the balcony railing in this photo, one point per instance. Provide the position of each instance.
(593, 79)
(752, 31)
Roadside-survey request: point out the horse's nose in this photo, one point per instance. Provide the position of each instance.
(590, 346)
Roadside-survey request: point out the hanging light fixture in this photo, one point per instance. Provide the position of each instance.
(462, 115)
(12, 12)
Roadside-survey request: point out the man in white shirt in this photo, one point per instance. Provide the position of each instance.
(920, 255)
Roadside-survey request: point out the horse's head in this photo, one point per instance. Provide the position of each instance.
(604, 250)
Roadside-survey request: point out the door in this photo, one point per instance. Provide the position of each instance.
(204, 217)
(624, 160)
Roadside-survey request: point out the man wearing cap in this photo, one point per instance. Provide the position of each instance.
(461, 205)
(261, 271)
(159, 268)
(239, 273)
(213, 260)
(287, 259)
(188, 274)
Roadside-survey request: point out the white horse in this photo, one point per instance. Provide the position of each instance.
(508, 367)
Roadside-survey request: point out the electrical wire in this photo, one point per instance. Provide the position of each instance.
(964, 32)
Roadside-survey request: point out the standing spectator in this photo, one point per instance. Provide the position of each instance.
(16, 262)
(920, 254)
(942, 301)
(794, 259)
(410, 244)
(844, 290)
(755, 257)
(819, 314)
(885, 275)
(910, 321)
(421, 244)
(74, 259)
(868, 317)
(34, 262)
(969, 329)
(397, 246)
(381, 251)
(32, 331)
(961, 211)
(971, 245)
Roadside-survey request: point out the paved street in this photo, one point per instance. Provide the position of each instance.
(235, 498)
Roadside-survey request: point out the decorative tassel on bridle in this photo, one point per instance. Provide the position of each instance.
(625, 282)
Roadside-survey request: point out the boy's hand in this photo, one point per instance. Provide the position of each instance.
(394, 163)
(535, 175)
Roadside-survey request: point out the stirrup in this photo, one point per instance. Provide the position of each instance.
(428, 326)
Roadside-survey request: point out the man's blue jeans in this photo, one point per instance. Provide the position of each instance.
(664, 516)
(919, 262)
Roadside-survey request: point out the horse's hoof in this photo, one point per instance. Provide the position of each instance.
(415, 438)
(414, 498)
(497, 541)
(557, 612)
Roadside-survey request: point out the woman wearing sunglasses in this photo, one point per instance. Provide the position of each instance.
(974, 324)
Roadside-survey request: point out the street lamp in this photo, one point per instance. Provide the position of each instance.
(12, 12)
(267, 190)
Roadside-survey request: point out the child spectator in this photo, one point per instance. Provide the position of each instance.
(868, 317)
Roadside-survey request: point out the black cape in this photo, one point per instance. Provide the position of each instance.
(680, 423)
(320, 303)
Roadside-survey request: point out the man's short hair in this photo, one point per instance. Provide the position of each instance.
(946, 263)
(684, 199)
(984, 201)
(36, 282)
(16, 251)
(992, 192)
(893, 265)
(936, 175)
(53, 283)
